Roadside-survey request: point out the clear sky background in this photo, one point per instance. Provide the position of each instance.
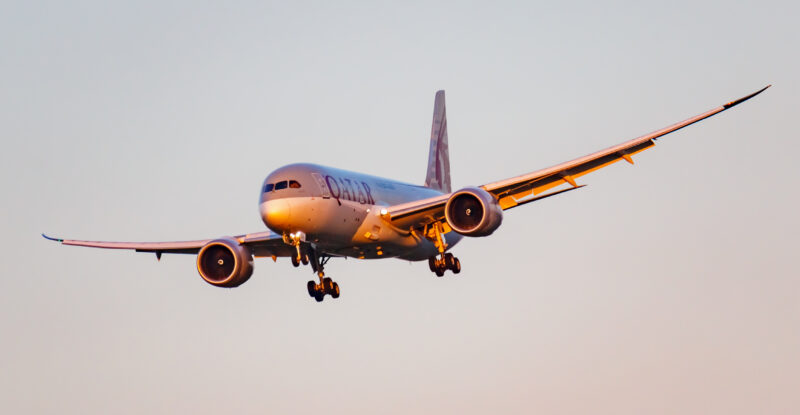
(666, 287)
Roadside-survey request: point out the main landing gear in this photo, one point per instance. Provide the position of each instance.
(445, 260)
(307, 255)
(325, 285)
(440, 264)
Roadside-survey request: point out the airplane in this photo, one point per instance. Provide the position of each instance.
(314, 213)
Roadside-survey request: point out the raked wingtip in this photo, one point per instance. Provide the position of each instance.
(743, 99)
(49, 238)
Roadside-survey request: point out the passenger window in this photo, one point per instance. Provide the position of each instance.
(280, 185)
(294, 184)
(268, 188)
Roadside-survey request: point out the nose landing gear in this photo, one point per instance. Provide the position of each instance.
(296, 240)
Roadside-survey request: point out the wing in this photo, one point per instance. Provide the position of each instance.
(262, 244)
(530, 187)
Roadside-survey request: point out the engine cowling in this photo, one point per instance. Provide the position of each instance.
(225, 263)
(473, 211)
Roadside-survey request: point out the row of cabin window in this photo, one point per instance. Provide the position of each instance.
(292, 184)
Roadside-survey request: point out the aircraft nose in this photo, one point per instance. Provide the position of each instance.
(276, 213)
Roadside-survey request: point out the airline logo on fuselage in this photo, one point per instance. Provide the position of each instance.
(349, 189)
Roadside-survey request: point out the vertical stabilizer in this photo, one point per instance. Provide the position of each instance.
(439, 157)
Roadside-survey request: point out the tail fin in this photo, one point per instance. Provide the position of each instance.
(439, 156)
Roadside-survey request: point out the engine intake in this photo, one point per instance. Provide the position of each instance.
(225, 263)
(473, 211)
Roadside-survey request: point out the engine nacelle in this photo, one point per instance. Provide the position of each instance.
(225, 263)
(473, 211)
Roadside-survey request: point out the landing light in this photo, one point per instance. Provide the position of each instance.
(384, 212)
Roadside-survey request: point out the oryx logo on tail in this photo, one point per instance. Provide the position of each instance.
(439, 158)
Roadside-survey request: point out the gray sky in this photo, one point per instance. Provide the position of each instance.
(668, 287)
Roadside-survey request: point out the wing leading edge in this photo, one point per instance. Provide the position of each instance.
(529, 187)
(262, 244)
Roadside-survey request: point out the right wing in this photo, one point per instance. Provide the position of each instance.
(529, 187)
(262, 244)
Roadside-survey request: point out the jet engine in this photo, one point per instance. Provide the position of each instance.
(225, 263)
(473, 211)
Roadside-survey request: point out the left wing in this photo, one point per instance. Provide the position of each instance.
(529, 187)
(262, 244)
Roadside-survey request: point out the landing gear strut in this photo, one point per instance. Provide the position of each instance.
(295, 240)
(445, 260)
(306, 254)
(325, 285)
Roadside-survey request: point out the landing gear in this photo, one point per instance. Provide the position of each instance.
(318, 291)
(325, 285)
(445, 260)
(306, 254)
(296, 261)
(456, 268)
(296, 240)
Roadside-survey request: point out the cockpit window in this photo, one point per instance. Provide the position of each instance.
(268, 188)
(281, 185)
(294, 184)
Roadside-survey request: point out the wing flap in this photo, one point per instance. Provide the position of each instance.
(511, 194)
(510, 202)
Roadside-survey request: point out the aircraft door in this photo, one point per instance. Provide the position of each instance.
(323, 187)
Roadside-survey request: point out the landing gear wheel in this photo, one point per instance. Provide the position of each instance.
(327, 285)
(304, 259)
(445, 261)
(456, 268)
(312, 288)
(295, 262)
(319, 297)
(449, 260)
(335, 290)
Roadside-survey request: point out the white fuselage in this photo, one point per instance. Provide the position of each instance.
(339, 212)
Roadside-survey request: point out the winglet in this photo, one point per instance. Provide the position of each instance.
(52, 239)
(743, 99)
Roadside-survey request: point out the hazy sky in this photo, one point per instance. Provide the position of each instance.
(668, 287)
